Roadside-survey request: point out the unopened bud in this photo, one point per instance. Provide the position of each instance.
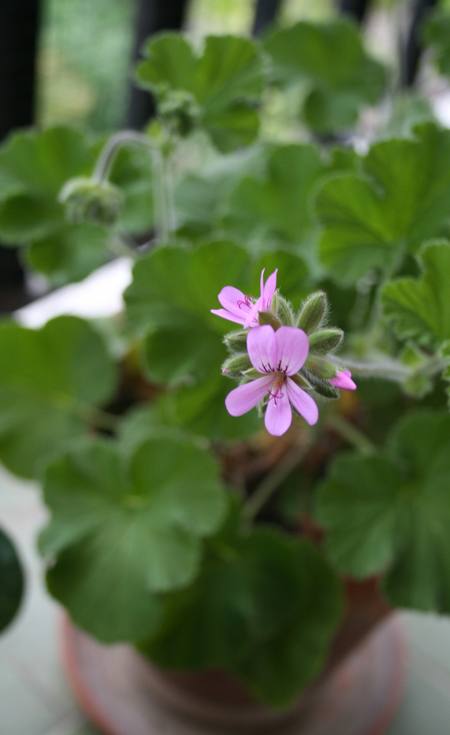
(325, 341)
(236, 365)
(180, 111)
(236, 341)
(266, 317)
(285, 312)
(320, 368)
(87, 200)
(313, 312)
(325, 389)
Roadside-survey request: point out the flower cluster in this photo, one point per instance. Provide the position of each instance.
(287, 357)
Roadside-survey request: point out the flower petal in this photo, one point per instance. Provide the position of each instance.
(269, 290)
(293, 348)
(227, 315)
(262, 348)
(252, 315)
(245, 397)
(234, 301)
(278, 413)
(344, 381)
(302, 402)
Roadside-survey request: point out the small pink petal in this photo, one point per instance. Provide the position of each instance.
(269, 290)
(227, 315)
(234, 301)
(246, 397)
(302, 402)
(262, 348)
(293, 348)
(343, 381)
(278, 413)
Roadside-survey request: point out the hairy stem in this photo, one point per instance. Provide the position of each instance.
(108, 154)
(351, 434)
(273, 480)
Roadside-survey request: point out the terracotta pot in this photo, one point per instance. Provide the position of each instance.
(357, 694)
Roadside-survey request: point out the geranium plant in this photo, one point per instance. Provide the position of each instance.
(220, 458)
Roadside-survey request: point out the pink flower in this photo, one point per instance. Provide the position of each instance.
(241, 308)
(277, 355)
(343, 381)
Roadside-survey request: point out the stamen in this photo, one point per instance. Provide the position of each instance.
(246, 302)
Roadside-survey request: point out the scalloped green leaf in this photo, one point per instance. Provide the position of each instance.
(400, 199)
(420, 309)
(50, 379)
(265, 606)
(330, 58)
(125, 530)
(34, 166)
(274, 209)
(11, 581)
(225, 81)
(390, 513)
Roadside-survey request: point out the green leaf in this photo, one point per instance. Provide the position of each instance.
(391, 513)
(49, 380)
(225, 81)
(256, 595)
(275, 210)
(73, 250)
(437, 35)
(331, 59)
(400, 199)
(11, 581)
(420, 309)
(34, 166)
(124, 531)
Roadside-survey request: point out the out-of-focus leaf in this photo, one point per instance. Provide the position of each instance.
(420, 309)
(34, 166)
(49, 380)
(391, 513)
(11, 581)
(330, 57)
(400, 199)
(125, 531)
(265, 606)
(224, 82)
(437, 35)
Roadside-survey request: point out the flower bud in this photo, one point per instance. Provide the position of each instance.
(325, 341)
(236, 341)
(285, 312)
(266, 317)
(320, 368)
(87, 200)
(324, 388)
(313, 312)
(236, 365)
(179, 110)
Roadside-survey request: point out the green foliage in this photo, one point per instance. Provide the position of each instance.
(11, 581)
(216, 91)
(265, 606)
(125, 530)
(437, 35)
(390, 512)
(330, 59)
(274, 210)
(169, 301)
(51, 380)
(400, 198)
(420, 309)
(34, 166)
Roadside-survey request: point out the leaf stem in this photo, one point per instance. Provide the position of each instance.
(351, 434)
(273, 480)
(389, 369)
(106, 159)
